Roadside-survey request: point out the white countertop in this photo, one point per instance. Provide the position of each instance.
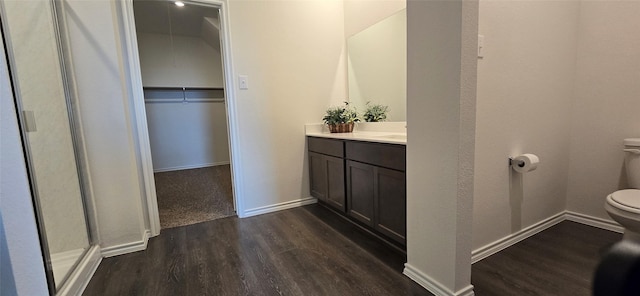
(390, 134)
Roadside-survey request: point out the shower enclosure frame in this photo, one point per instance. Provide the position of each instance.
(90, 257)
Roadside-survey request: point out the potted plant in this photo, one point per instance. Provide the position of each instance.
(375, 112)
(340, 119)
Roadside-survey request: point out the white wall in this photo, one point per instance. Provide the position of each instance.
(292, 53)
(7, 282)
(188, 135)
(189, 62)
(23, 245)
(606, 103)
(441, 82)
(575, 73)
(361, 14)
(184, 135)
(525, 89)
(104, 103)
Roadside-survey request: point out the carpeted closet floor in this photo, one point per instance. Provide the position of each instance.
(192, 196)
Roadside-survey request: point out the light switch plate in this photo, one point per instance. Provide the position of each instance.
(480, 46)
(243, 81)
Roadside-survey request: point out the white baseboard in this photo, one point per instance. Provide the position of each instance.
(432, 285)
(279, 207)
(128, 247)
(62, 263)
(468, 291)
(594, 221)
(188, 167)
(483, 252)
(80, 277)
(514, 238)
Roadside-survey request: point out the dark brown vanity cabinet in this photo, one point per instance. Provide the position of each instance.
(391, 204)
(376, 196)
(364, 180)
(360, 189)
(326, 170)
(376, 187)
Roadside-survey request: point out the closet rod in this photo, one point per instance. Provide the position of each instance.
(184, 100)
(152, 94)
(180, 88)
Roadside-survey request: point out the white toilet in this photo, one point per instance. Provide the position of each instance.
(624, 205)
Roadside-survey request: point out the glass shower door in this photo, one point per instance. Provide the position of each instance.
(31, 38)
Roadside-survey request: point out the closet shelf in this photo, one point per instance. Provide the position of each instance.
(178, 88)
(169, 94)
(210, 100)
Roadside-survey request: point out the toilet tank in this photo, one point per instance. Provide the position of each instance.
(632, 161)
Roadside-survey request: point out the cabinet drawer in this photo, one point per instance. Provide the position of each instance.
(326, 146)
(384, 155)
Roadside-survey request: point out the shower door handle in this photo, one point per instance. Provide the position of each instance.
(29, 121)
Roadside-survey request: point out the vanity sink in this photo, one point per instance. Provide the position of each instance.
(394, 137)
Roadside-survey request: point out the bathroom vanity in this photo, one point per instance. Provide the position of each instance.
(362, 177)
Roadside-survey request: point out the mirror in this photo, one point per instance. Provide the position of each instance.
(377, 66)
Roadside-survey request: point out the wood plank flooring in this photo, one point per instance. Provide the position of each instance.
(290, 252)
(312, 251)
(558, 261)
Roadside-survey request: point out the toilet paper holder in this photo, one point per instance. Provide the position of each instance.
(512, 162)
(524, 163)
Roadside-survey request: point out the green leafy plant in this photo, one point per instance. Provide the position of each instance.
(375, 112)
(341, 114)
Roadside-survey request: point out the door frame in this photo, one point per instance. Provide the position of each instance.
(140, 127)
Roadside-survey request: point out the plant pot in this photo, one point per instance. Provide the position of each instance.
(341, 128)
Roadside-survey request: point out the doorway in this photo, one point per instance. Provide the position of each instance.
(185, 101)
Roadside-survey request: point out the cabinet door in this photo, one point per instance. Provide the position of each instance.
(318, 175)
(360, 191)
(391, 204)
(335, 182)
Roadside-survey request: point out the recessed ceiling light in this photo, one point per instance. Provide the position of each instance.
(179, 3)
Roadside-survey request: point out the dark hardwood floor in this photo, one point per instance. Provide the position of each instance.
(292, 252)
(558, 261)
(312, 251)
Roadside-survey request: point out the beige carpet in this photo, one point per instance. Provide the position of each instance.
(188, 197)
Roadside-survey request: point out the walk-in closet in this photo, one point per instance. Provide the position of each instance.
(183, 83)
